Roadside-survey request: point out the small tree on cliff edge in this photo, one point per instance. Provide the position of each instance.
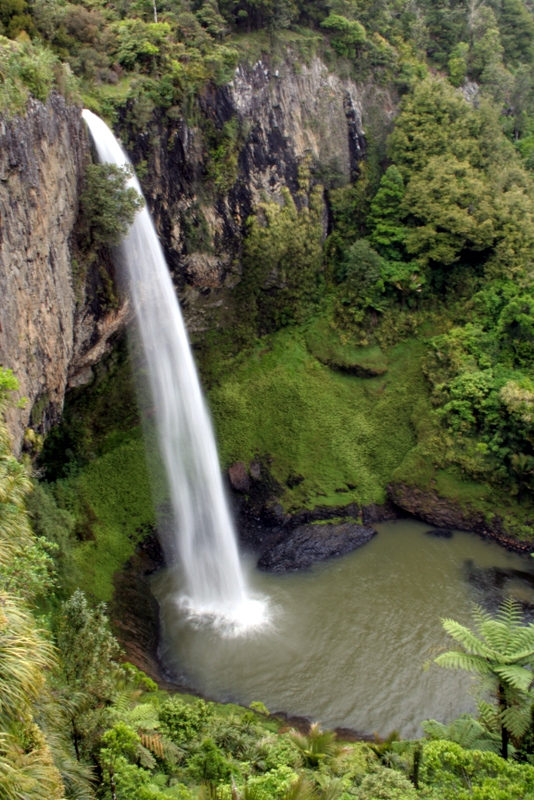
(502, 654)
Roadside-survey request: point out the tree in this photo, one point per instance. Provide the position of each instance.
(109, 205)
(503, 655)
(435, 120)
(449, 202)
(388, 234)
(349, 34)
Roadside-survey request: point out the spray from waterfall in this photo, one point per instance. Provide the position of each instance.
(204, 537)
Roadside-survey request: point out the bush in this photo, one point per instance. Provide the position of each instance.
(183, 721)
(386, 784)
(109, 205)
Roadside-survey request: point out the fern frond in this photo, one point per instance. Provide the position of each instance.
(434, 729)
(489, 716)
(466, 638)
(152, 741)
(517, 677)
(144, 716)
(145, 757)
(516, 719)
(454, 659)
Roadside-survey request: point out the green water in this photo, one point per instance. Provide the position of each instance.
(349, 639)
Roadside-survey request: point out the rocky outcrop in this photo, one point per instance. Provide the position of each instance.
(50, 334)
(443, 513)
(284, 118)
(252, 139)
(308, 544)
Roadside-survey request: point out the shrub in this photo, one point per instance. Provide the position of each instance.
(183, 721)
(386, 784)
(109, 205)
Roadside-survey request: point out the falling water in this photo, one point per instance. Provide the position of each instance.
(216, 588)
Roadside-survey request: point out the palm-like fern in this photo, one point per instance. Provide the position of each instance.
(466, 731)
(502, 653)
(316, 746)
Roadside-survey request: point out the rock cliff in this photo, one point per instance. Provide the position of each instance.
(49, 334)
(246, 142)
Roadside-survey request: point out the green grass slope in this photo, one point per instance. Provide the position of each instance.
(344, 435)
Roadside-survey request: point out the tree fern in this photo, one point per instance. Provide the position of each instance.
(466, 731)
(502, 651)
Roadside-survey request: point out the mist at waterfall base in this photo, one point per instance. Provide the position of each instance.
(202, 537)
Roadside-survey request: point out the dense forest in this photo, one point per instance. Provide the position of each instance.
(419, 287)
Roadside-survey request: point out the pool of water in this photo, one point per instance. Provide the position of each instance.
(351, 640)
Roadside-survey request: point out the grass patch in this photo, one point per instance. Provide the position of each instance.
(345, 435)
(112, 501)
(335, 348)
(103, 471)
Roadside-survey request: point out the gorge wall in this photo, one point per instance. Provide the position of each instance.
(268, 123)
(202, 179)
(51, 331)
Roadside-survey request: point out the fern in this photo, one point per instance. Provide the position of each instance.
(502, 652)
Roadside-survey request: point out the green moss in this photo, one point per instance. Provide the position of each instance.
(112, 501)
(344, 435)
(335, 348)
(104, 474)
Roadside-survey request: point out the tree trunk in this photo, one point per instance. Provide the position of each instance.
(504, 732)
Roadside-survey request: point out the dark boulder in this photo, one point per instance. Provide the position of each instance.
(440, 533)
(310, 543)
(239, 477)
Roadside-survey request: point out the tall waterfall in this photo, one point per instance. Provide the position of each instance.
(204, 535)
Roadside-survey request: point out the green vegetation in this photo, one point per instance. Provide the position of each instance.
(98, 493)
(401, 349)
(344, 435)
(502, 654)
(108, 205)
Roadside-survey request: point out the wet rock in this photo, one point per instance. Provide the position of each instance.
(239, 477)
(308, 544)
(255, 470)
(442, 512)
(440, 533)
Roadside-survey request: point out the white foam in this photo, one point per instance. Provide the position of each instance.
(229, 621)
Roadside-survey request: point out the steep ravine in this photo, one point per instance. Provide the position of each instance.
(53, 327)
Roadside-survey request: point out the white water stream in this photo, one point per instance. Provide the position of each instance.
(215, 585)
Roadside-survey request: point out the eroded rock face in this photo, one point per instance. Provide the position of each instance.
(51, 333)
(445, 514)
(287, 117)
(49, 337)
(308, 544)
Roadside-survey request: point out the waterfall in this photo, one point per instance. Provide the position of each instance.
(204, 535)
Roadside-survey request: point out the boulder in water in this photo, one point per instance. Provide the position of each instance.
(310, 543)
(440, 533)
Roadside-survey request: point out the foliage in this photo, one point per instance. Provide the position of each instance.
(282, 261)
(465, 731)
(183, 721)
(503, 654)
(386, 784)
(29, 68)
(316, 745)
(109, 204)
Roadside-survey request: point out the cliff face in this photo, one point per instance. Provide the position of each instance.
(48, 336)
(254, 134)
(202, 179)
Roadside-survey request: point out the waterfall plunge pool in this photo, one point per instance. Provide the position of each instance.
(348, 640)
